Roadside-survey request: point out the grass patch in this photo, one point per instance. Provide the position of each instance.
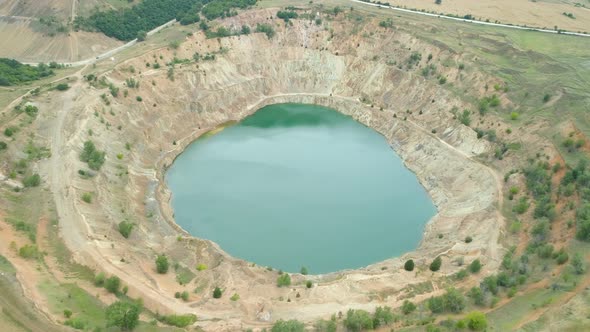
(508, 316)
(184, 275)
(6, 266)
(86, 309)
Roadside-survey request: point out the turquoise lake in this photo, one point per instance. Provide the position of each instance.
(299, 185)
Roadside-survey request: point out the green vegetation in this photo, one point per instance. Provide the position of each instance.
(29, 251)
(201, 267)
(112, 284)
(33, 180)
(452, 301)
(267, 29)
(87, 197)
(304, 270)
(123, 314)
(408, 307)
(13, 72)
(162, 264)
(133, 22)
(284, 280)
(125, 228)
(92, 156)
(62, 87)
(435, 265)
(177, 320)
(409, 265)
(286, 15)
(475, 266)
(476, 321)
(288, 326)
(235, 297)
(217, 293)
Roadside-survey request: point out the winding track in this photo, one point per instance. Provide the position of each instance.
(579, 34)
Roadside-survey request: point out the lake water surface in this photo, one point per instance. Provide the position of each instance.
(299, 185)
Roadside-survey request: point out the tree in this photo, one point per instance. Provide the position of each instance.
(217, 293)
(435, 265)
(112, 284)
(436, 304)
(475, 266)
(578, 264)
(453, 301)
(358, 320)
(477, 296)
(245, 30)
(476, 321)
(292, 325)
(382, 316)
(123, 314)
(409, 265)
(162, 264)
(408, 307)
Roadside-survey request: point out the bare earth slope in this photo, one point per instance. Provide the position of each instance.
(303, 63)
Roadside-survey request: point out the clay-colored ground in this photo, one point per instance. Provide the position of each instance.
(541, 14)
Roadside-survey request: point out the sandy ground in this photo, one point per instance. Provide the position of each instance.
(542, 14)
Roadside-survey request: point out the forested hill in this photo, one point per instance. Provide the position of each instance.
(134, 22)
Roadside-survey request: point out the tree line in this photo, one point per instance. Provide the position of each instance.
(134, 22)
(13, 72)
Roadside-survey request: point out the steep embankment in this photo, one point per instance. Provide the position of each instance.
(369, 74)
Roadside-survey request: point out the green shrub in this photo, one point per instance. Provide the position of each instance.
(382, 316)
(235, 297)
(408, 307)
(125, 228)
(62, 86)
(112, 284)
(409, 265)
(123, 314)
(29, 251)
(9, 131)
(87, 197)
(468, 239)
(178, 320)
(99, 279)
(284, 280)
(358, 320)
(32, 181)
(162, 264)
(266, 29)
(201, 267)
(436, 264)
(308, 284)
(76, 323)
(217, 293)
(67, 313)
(3, 146)
(476, 321)
(475, 266)
(184, 296)
(303, 270)
(92, 156)
(288, 326)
